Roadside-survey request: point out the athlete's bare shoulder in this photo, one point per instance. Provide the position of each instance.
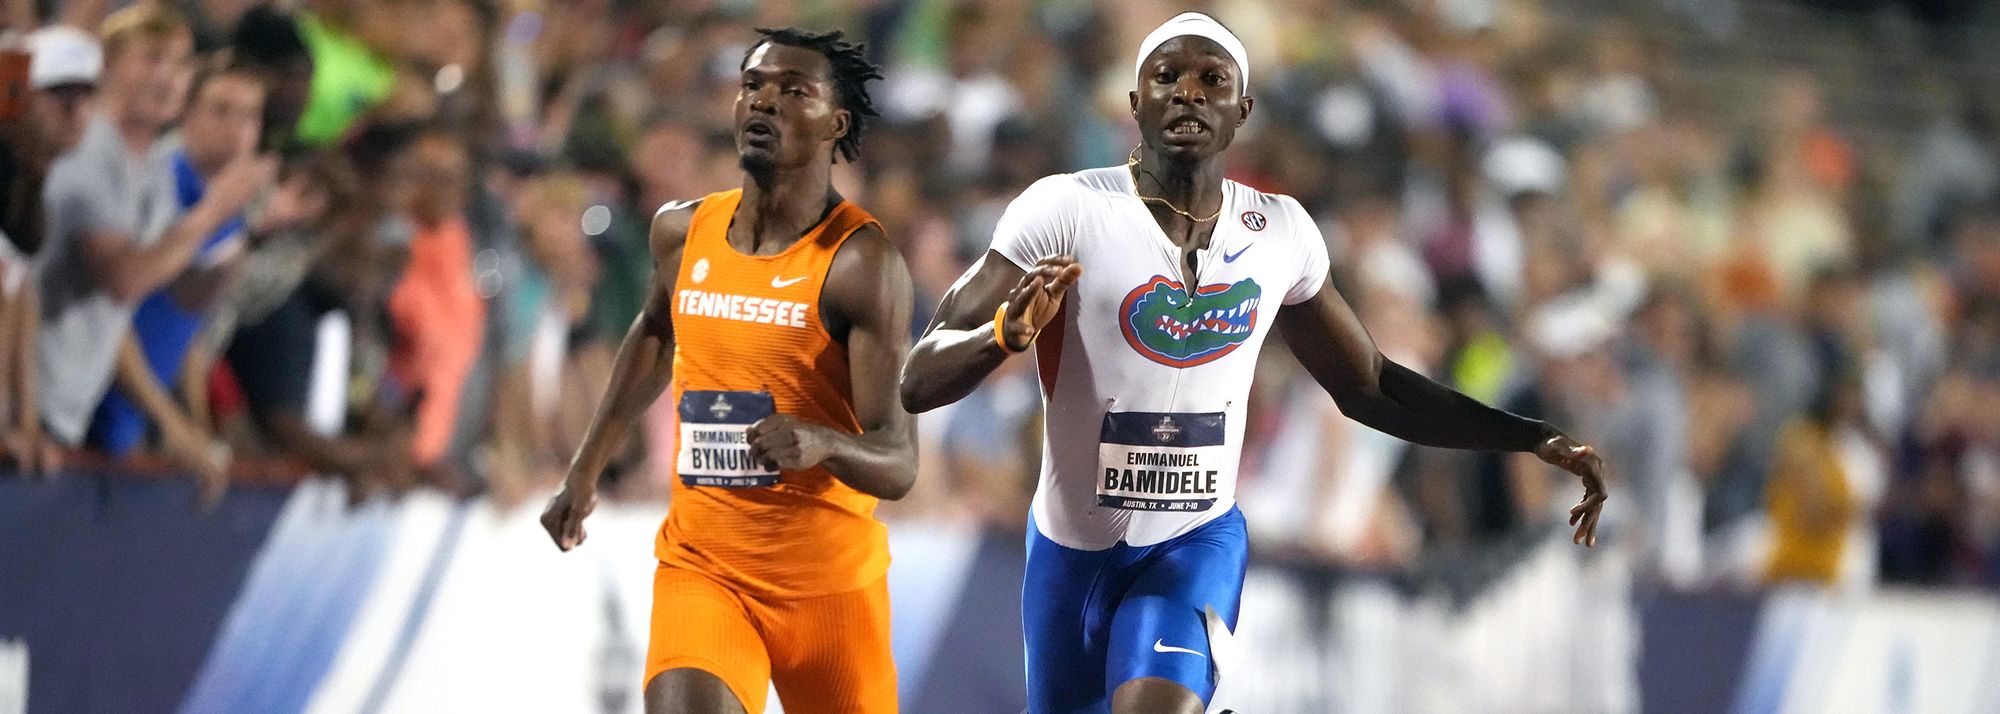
(867, 275)
(668, 235)
(670, 226)
(866, 250)
(863, 259)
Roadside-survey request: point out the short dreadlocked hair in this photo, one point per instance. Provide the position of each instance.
(851, 72)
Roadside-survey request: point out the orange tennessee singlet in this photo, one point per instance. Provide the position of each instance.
(748, 342)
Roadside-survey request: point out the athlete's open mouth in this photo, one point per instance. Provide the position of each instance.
(759, 129)
(1228, 321)
(1186, 126)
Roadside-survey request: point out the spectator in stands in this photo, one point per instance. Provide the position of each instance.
(1478, 359)
(352, 68)
(437, 314)
(963, 86)
(1617, 96)
(63, 68)
(1934, 510)
(210, 20)
(1485, 496)
(19, 16)
(540, 409)
(317, 199)
(668, 162)
(1656, 360)
(1794, 215)
(1975, 262)
(660, 159)
(293, 354)
(115, 230)
(1822, 490)
(1465, 227)
(1955, 163)
(270, 40)
(987, 473)
(1762, 346)
(1942, 515)
(220, 128)
(23, 446)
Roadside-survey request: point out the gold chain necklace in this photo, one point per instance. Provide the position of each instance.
(1131, 163)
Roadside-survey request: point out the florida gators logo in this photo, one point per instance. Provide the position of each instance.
(1161, 322)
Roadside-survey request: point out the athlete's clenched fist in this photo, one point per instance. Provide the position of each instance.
(782, 442)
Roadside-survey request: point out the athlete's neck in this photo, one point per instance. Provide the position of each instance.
(1192, 186)
(779, 206)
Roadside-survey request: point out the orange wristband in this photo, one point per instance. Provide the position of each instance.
(999, 337)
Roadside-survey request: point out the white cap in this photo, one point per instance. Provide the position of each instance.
(1524, 165)
(62, 55)
(1570, 326)
(1197, 25)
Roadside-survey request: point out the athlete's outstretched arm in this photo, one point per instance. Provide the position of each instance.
(645, 364)
(868, 297)
(1330, 341)
(960, 347)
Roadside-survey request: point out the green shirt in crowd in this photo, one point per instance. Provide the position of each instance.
(349, 78)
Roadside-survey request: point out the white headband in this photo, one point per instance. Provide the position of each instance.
(1197, 25)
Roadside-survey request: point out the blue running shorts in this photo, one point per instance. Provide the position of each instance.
(1094, 620)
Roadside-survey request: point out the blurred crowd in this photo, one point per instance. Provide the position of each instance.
(398, 241)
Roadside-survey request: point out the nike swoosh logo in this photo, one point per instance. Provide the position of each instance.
(1231, 257)
(777, 283)
(1158, 646)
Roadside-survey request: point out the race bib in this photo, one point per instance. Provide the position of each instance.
(715, 450)
(1154, 461)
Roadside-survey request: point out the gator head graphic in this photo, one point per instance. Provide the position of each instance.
(1162, 323)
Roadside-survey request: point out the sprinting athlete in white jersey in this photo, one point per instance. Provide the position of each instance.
(1146, 362)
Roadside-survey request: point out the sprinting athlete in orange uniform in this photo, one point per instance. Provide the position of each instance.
(786, 314)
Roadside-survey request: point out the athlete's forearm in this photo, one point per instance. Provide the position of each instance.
(880, 463)
(645, 364)
(1412, 407)
(947, 365)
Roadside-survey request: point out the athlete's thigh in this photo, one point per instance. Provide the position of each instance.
(832, 653)
(685, 690)
(1065, 625)
(1159, 629)
(700, 624)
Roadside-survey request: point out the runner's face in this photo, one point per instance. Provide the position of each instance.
(1190, 99)
(788, 113)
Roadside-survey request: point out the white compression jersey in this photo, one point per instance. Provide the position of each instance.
(1145, 384)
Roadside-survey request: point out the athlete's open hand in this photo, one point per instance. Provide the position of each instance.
(1572, 456)
(782, 442)
(1036, 299)
(563, 518)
